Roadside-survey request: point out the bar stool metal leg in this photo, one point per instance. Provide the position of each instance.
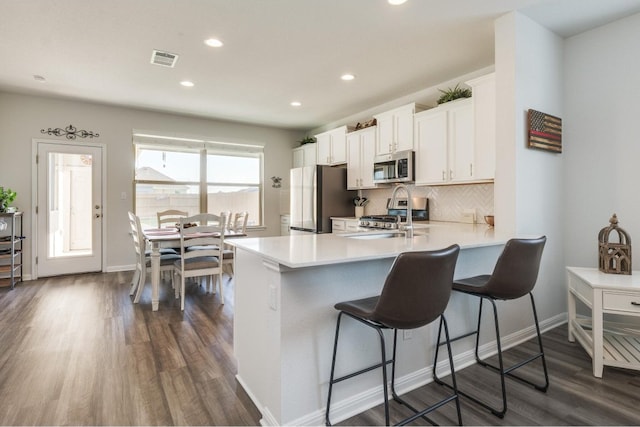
(500, 368)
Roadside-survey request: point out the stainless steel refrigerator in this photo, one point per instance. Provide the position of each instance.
(318, 193)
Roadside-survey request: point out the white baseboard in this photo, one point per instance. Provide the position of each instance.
(117, 268)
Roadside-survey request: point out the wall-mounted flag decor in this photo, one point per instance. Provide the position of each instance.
(545, 131)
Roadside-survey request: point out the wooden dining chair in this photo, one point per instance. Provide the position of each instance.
(170, 217)
(143, 260)
(208, 237)
(237, 223)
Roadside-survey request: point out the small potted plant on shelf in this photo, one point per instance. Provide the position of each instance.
(6, 197)
(307, 140)
(454, 93)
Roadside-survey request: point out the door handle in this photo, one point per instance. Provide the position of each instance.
(97, 206)
(97, 215)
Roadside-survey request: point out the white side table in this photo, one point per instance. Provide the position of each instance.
(608, 343)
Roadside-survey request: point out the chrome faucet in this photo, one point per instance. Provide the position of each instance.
(408, 225)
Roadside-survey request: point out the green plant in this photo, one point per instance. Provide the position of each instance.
(454, 93)
(6, 197)
(307, 140)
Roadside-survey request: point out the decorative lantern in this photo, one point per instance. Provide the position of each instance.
(614, 257)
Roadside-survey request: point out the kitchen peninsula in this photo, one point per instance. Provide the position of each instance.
(284, 322)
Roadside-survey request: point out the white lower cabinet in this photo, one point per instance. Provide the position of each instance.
(445, 144)
(344, 225)
(361, 151)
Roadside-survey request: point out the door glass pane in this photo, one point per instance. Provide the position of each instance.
(69, 214)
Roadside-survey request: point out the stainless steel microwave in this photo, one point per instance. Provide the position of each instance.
(396, 167)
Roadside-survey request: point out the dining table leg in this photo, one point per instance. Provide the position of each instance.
(155, 275)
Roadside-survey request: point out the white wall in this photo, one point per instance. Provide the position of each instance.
(22, 117)
(602, 170)
(529, 196)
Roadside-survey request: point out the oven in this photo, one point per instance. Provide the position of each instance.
(397, 213)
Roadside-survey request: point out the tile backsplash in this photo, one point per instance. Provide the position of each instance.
(446, 203)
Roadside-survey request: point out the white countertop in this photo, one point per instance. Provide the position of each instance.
(307, 250)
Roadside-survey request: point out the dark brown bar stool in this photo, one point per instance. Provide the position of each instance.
(415, 293)
(514, 276)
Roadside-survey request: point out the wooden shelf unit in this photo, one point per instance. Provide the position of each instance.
(11, 241)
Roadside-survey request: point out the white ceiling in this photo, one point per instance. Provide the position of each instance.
(275, 51)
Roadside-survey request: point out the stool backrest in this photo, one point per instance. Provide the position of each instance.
(516, 270)
(417, 288)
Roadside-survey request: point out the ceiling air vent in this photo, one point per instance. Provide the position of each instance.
(165, 59)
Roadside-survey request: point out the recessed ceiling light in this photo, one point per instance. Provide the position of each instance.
(296, 103)
(396, 2)
(348, 77)
(39, 78)
(213, 43)
(187, 83)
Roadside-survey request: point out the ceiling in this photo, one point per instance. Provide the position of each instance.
(275, 51)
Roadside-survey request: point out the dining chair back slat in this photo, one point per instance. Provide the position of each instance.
(170, 217)
(208, 235)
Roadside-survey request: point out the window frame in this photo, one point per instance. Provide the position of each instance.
(203, 148)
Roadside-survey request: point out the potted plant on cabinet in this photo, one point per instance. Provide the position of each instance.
(6, 197)
(307, 140)
(454, 93)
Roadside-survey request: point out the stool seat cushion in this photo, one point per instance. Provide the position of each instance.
(473, 285)
(362, 308)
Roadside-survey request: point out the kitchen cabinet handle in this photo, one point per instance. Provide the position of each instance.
(635, 303)
(443, 172)
(470, 169)
(450, 173)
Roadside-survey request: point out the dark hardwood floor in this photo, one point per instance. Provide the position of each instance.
(76, 351)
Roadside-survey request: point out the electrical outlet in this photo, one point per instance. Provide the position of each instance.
(407, 334)
(273, 297)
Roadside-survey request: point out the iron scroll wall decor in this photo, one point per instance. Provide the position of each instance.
(70, 132)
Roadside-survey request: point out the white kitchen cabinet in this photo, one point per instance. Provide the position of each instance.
(395, 129)
(484, 120)
(332, 146)
(344, 225)
(445, 144)
(305, 155)
(361, 151)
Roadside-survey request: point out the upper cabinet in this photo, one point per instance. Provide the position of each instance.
(444, 144)
(361, 151)
(305, 155)
(332, 146)
(484, 123)
(455, 142)
(395, 129)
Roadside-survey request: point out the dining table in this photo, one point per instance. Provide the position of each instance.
(169, 237)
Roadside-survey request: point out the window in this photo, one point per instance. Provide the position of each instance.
(196, 176)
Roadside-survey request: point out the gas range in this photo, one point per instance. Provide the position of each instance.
(389, 222)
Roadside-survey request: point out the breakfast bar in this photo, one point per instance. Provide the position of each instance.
(285, 290)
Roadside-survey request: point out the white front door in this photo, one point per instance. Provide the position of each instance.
(69, 209)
